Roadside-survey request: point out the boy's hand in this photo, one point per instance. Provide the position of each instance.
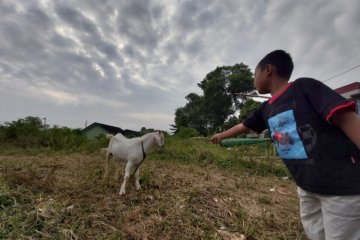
(216, 138)
(232, 132)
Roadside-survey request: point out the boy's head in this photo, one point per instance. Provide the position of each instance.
(275, 65)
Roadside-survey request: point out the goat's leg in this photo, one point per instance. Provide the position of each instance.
(107, 163)
(126, 178)
(116, 176)
(137, 183)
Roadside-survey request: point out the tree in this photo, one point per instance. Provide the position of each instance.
(220, 100)
(248, 108)
(192, 114)
(229, 123)
(26, 131)
(217, 103)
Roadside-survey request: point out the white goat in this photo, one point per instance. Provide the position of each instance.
(133, 151)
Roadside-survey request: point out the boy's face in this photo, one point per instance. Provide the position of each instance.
(261, 79)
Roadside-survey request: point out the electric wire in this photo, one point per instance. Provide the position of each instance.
(341, 73)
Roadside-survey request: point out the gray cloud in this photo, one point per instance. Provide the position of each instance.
(131, 63)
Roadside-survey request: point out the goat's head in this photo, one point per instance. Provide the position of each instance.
(159, 138)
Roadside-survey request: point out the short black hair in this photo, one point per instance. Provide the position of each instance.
(281, 60)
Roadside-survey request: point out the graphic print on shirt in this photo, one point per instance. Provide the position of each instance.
(283, 131)
(308, 136)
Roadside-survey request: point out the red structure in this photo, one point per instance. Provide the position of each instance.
(351, 92)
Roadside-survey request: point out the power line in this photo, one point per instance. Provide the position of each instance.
(341, 73)
(249, 95)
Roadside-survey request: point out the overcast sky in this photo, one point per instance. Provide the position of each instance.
(130, 63)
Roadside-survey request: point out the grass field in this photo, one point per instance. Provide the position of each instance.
(190, 190)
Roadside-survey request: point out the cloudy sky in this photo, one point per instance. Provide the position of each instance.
(131, 63)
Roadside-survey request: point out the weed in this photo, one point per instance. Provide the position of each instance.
(250, 231)
(265, 200)
(145, 178)
(162, 211)
(240, 215)
(146, 213)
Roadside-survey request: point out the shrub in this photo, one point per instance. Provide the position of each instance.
(186, 132)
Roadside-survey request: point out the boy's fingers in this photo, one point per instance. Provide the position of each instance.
(214, 140)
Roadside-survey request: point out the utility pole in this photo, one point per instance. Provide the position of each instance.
(44, 123)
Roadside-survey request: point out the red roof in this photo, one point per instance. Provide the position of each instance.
(348, 88)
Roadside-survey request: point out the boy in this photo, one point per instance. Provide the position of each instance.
(317, 134)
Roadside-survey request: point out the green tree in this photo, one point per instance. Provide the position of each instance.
(248, 108)
(220, 100)
(229, 123)
(192, 114)
(186, 133)
(25, 132)
(217, 104)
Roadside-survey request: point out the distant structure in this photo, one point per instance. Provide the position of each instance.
(352, 93)
(96, 129)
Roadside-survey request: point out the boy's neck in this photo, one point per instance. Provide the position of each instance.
(277, 86)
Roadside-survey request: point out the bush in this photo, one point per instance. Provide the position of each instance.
(62, 138)
(23, 132)
(31, 133)
(93, 145)
(186, 132)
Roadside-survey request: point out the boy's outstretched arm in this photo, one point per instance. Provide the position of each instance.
(232, 132)
(349, 122)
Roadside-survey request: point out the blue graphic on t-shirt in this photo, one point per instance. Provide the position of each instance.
(283, 131)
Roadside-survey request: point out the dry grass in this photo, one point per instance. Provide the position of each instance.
(64, 197)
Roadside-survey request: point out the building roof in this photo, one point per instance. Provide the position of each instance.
(350, 90)
(112, 129)
(108, 128)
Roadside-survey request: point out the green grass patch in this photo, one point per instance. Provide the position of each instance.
(254, 159)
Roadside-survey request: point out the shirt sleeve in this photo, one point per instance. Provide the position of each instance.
(256, 121)
(325, 101)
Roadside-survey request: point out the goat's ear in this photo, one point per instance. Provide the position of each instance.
(157, 137)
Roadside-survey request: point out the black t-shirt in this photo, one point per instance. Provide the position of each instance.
(320, 157)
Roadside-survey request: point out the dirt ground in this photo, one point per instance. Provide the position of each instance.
(65, 197)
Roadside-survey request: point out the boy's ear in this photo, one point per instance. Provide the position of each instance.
(269, 69)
